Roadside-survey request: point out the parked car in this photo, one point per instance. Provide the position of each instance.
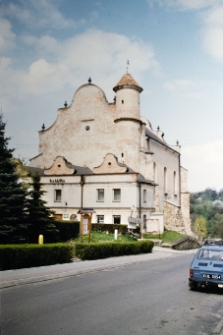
(206, 268)
(213, 241)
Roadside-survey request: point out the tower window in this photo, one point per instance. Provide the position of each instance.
(122, 101)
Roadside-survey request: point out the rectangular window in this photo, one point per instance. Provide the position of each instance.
(116, 219)
(100, 218)
(58, 195)
(116, 194)
(100, 194)
(144, 221)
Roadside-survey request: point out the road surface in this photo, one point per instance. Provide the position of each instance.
(148, 298)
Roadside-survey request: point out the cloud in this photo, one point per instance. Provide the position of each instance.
(36, 14)
(213, 32)
(187, 88)
(186, 4)
(213, 42)
(43, 77)
(7, 38)
(93, 53)
(205, 162)
(211, 12)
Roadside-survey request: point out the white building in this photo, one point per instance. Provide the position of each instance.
(106, 157)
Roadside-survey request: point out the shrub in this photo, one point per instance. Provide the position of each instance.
(30, 255)
(110, 249)
(67, 230)
(110, 227)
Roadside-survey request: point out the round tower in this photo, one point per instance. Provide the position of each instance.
(127, 97)
(129, 127)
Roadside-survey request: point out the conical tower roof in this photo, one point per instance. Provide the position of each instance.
(127, 81)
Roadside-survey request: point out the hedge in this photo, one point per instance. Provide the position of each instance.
(67, 229)
(110, 227)
(89, 251)
(19, 256)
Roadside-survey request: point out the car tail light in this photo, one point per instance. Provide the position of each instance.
(191, 273)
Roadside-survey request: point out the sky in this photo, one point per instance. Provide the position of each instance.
(49, 48)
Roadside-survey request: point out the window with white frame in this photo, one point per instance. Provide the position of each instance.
(100, 194)
(100, 218)
(116, 219)
(116, 194)
(57, 195)
(144, 195)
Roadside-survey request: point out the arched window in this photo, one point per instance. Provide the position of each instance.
(165, 180)
(148, 144)
(144, 196)
(154, 172)
(174, 183)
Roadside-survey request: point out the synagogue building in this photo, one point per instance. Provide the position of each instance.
(106, 159)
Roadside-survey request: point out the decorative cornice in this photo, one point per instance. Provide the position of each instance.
(128, 119)
(59, 167)
(110, 164)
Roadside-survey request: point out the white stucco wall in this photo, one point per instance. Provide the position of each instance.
(71, 195)
(69, 136)
(169, 159)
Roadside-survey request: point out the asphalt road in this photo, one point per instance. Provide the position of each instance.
(149, 298)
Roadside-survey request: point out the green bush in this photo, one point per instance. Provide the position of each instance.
(19, 256)
(110, 227)
(110, 249)
(67, 230)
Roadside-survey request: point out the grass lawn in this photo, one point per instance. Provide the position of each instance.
(167, 237)
(103, 237)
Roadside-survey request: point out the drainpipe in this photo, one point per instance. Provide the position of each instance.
(179, 183)
(82, 190)
(140, 210)
(82, 182)
(139, 199)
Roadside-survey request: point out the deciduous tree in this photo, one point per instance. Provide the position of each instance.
(200, 227)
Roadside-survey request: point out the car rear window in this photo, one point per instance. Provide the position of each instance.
(211, 254)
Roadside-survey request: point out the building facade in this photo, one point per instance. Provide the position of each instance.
(106, 157)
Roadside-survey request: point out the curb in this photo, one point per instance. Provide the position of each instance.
(12, 278)
(60, 275)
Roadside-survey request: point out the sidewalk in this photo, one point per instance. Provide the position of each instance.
(17, 277)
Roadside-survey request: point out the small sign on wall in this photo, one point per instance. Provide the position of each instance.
(85, 225)
(66, 216)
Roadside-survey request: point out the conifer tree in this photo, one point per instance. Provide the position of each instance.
(39, 216)
(13, 228)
